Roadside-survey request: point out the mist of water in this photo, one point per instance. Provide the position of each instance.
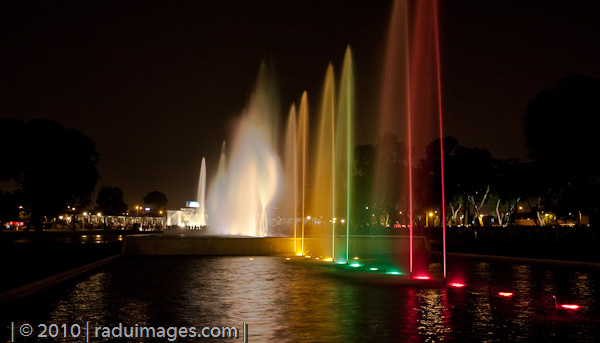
(240, 199)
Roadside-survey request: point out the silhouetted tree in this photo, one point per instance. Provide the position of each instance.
(364, 155)
(12, 151)
(430, 170)
(52, 166)
(469, 174)
(12, 156)
(561, 124)
(157, 200)
(9, 205)
(509, 188)
(477, 176)
(110, 201)
(389, 177)
(560, 130)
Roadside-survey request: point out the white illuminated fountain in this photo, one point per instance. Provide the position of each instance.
(244, 190)
(247, 181)
(201, 214)
(193, 216)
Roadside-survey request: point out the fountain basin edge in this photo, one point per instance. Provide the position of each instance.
(158, 244)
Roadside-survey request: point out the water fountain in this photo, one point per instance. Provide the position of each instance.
(193, 216)
(504, 301)
(316, 179)
(241, 198)
(245, 188)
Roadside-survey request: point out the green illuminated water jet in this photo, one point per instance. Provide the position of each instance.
(344, 141)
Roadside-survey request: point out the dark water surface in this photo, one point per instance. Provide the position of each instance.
(290, 302)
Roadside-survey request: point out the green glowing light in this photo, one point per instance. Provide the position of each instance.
(356, 265)
(341, 262)
(373, 268)
(395, 273)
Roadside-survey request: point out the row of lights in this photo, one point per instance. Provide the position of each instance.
(333, 220)
(501, 294)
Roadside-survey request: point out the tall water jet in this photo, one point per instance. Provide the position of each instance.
(439, 92)
(412, 71)
(393, 185)
(289, 204)
(426, 98)
(344, 146)
(215, 198)
(323, 197)
(302, 147)
(240, 201)
(201, 198)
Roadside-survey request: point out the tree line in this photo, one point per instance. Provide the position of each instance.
(47, 168)
(562, 178)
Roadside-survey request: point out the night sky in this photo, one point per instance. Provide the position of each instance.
(158, 85)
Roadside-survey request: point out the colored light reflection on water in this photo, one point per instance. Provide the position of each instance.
(290, 302)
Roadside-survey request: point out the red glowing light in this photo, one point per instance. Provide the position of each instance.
(569, 306)
(505, 294)
(457, 284)
(422, 277)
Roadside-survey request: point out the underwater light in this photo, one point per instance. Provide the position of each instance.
(373, 268)
(569, 306)
(555, 304)
(421, 277)
(299, 254)
(287, 258)
(505, 294)
(456, 284)
(354, 265)
(341, 262)
(394, 273)
(307, 256)
(329, 259)
(356, 257)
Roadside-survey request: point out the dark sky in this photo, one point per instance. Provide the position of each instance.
(157, 85)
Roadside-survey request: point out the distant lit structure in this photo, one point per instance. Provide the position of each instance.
(190, 216)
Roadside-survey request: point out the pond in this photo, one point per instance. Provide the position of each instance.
(271, 299)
